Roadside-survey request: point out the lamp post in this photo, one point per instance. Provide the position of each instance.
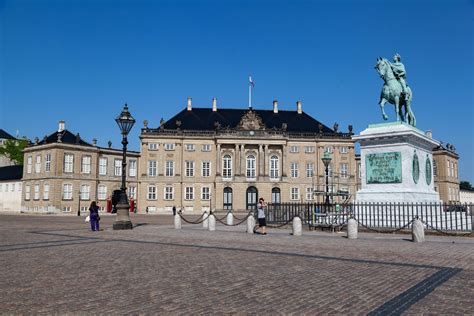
(79, 204)
(125, 122)
(326, 161)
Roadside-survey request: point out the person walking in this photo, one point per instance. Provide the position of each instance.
(94, 216)
(262, 224)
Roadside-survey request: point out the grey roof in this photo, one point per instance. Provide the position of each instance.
(205, 119)
(5, 135)
(11, 173)
(66, 137)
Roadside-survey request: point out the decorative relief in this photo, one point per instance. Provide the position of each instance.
(415, 168)
(251, 121)
(428, 170)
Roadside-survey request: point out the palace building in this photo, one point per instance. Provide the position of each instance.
(63, 173)
(210, 158)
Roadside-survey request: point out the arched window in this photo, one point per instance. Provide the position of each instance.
(274, 167)
(227, 198)
(227, 167)
(251, 174)
(252, 198)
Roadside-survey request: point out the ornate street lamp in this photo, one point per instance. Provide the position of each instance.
(326, 161)
(125, 122)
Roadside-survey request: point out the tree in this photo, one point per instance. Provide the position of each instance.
(13, 150)
(465, 185)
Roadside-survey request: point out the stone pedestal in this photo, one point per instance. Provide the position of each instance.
(122, 220)
(297, 226)
(396, 164)
(352, 229)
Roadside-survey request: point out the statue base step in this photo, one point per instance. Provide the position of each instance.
(122, 225)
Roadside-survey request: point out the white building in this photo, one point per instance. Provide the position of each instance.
(10, 188)
(466, 196)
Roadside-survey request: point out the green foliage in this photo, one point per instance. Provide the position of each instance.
(13, 149)
(465, 185)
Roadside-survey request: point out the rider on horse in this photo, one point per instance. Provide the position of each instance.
(399, 71)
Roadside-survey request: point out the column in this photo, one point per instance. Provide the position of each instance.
(237, 160)
(242, 159)
(218, 160)
(283, 161)
(265, 161)
(260, 160)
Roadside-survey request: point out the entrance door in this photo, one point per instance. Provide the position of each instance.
(252, 197)
(227, 198)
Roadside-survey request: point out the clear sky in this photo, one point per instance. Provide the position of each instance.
(82, 60)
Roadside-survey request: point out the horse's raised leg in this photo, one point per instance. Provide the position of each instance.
(382, 104)
(409, 116)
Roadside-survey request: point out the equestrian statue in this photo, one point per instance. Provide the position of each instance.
(395, 89)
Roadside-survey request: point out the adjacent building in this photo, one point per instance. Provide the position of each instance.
(10, 188)
(64, 173)
(214, 158)
(4, 136)
(445, 172)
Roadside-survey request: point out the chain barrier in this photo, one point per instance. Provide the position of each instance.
(285, 223)
(222, 218)
(384, 231)
(198, 221)
(445, 232)
(240, 222)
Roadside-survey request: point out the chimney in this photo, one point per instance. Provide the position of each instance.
(298, 107)
(94, 142)
(61, 126)
(429, 134)
(275, 106)
(190, 103)
(214, 105)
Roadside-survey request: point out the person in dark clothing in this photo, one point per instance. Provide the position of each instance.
(115, 200)
(174, 210)
(94, 216)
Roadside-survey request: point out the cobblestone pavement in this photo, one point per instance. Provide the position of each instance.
(54, 264)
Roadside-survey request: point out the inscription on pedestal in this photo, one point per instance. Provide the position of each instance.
(384, 167)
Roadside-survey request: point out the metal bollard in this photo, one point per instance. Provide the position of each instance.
(205, 222)
(212, 223)
(250, 224)
(417, 231)
(177, 222)
(352, 229)
(230, 219)
(297, 226)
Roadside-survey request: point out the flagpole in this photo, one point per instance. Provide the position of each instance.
(250, 96)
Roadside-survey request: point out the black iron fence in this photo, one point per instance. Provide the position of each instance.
(377, 216)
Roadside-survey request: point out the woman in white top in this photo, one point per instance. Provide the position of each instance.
(261, 206)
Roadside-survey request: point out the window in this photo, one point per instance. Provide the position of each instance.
(152, 146)
(169, 193)
(435, 168)
(38, 164)
(189, 168)
(359, 167)
(151, 193)
(67, 191)
(309, 169)
(86, 164)
(330, 170)
(13, 187)
(46, 191)
(102, 166)
(118, 167)
(309, 194)
(295, 193)
(206, 169)
(85, 192)
(328, 149)
(102, 192)
(152, 168)
(169, 146)
(206, 147)
(189, 147)
(344, 149)
(68, 163)
(132, 192)
(27, 192)
(274, 167)
(37, 192)
(132, 171)
(29, 164)
(276, 198)
(169, 169)
(1, 186)
(227, 167)
(47, 162)
(294, 169)
(344, 170)
(251, 174)
(227, 198)
(6, 187)
(294, 149)
(189, 193)
(309, 149)
(67, 209)
(205, 193)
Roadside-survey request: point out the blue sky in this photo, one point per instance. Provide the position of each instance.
(82, 60)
